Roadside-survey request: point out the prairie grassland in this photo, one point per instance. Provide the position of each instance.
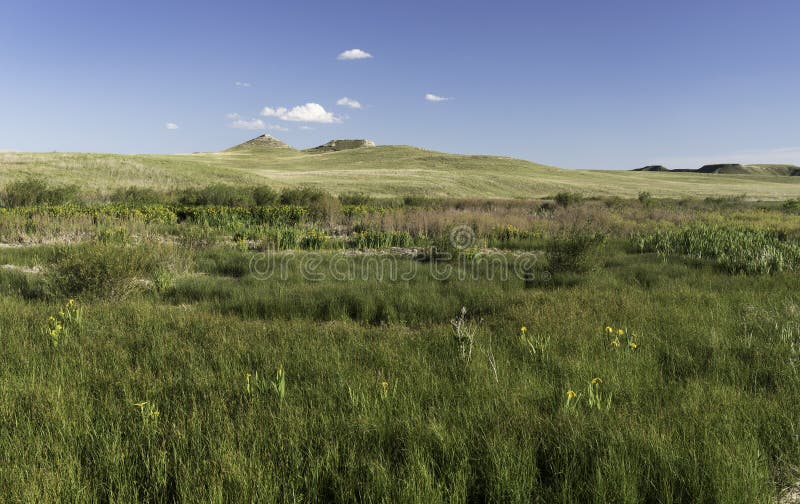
(381, 171)
(315, 352)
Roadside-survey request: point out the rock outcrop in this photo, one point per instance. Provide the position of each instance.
(722, 168)
(260, 143)
(652, 168)
(340, 145)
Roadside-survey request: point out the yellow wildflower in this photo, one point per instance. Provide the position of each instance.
(596, 381)
(571, 394)
(615, 343)
(633, 346)
(621, 332)
(609, 329)
(523, 329)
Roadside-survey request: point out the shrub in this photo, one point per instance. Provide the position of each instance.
(99, 270)
(575, 251)
(420, 201)
(354, 199)
(565, 199)
(301, 196)
(264, 195)
(219, 194)
(792, 205)
(325, 209)
(322, 207)
(32, 191)
(137, 196)
(645, 198)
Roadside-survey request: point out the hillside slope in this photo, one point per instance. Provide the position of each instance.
(380, 171)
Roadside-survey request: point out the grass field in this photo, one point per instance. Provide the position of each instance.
(381, 171)
(236, 344)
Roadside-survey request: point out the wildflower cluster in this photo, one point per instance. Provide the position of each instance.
(149, 413)
(510, 232)
(572, 400)
(617, 334)
(537, 344)
(596, 398)
(68, 318)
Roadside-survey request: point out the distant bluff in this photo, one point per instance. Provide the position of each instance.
(340, 145)
(268, 143)
(260, 143)
(731, 169)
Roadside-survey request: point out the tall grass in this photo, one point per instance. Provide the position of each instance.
(337, 376)
(735, 250)
(164, 399)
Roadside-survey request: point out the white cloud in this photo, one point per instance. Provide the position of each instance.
(306, 128)
(435, 98)
(243, 84)
(233, 115)
(353, 54)
(349, 102)
(310, 112)
(276, 127)
(246, 124)
(171, 126)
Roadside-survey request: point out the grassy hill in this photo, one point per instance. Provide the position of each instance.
(379, 171)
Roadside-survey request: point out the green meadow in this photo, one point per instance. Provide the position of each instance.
(385, 171)
(394, 325)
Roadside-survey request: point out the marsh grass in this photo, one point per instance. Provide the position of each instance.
(172, 392)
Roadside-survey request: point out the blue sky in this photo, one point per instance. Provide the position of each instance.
(582, 84)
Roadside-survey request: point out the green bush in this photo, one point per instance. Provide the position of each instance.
(575, 251)
(264, 195)
(565, 199)
(354, 199)
(792, 205)
(137, 196)
(100, 270)
(32, 191)
(301, 196)
(219, 194)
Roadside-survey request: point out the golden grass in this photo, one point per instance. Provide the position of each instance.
(380, 171)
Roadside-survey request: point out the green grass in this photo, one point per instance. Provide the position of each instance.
(703, 409)
(161, 382)
(381, 171)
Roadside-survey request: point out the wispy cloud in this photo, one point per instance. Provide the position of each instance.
(243, 84)
(277, 127)
(171, 126)
(310, 112)
(239, 122)
(353, 54)
(781, 155)
(436, 98)
(348, 102)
